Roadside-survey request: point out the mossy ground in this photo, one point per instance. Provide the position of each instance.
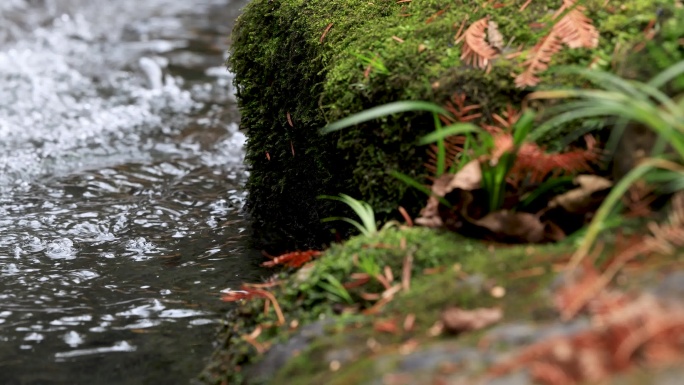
(288, 72)
(448, 271)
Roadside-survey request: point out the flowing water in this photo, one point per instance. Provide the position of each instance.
(120, 189)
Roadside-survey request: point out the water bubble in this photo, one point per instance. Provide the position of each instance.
(34, 337)
(60, 249)
(73, 339)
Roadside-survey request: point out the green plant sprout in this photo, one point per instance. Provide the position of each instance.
(335, 287)
(363, 210)
(374, 62)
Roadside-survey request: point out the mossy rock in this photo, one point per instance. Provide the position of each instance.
(446, 271)
(298, 65)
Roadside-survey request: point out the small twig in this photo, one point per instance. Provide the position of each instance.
(367, 72)
(525, 5)
(436, 15)
(276, 306)
(251, 339)
(459, 34)
(409, 322)
(406, 272)
(388, 274)
(325, 32)
(407, 217)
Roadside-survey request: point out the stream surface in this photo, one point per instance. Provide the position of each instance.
(120, 189)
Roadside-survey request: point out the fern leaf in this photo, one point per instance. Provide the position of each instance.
(539, 61)
(575, 29)
(476, 51)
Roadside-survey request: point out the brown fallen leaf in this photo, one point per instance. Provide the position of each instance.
(495, 37)
(386, 326)
(456, 320)
(468, 178)
(509, 226)
(582, 198)
(626, 331)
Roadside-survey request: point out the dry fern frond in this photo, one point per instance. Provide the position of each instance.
(575, 29)
(476, 51)
(532, 161)
(453, 146)
(461, 112)
(539, 61)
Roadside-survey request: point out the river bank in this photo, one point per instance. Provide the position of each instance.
(405, 333)
(521, 153)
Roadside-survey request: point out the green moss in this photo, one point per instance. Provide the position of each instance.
(303, 298)
(468, 270)
(284, 66)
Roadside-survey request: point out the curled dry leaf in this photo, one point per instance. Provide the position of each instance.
(468, 179)
(495, 37)
(582, 198)
(456, 320)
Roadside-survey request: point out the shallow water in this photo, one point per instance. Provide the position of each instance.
(120, 189)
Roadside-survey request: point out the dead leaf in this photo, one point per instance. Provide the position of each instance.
(457, 320)
(495, 37)
(509, 226)
(467, 179)
(625, 331)
(581, 199)
(386, 326)
(476, 51)
(575, 28)
(538, 60)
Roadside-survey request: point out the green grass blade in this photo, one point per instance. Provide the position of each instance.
(335, 287)
(363, 210)
(545, 187)
(381, 111)
(350, 221)
(441, 148)
(662, 98)
(522, 127)
(667, 75)
(417, 185)
(608, 81)
(450, 130)
(612, 200)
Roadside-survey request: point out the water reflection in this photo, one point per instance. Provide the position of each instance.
(120, 189)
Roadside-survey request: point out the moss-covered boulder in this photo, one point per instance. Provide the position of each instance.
(302, 63)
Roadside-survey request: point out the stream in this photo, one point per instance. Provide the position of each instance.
(120, 189)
